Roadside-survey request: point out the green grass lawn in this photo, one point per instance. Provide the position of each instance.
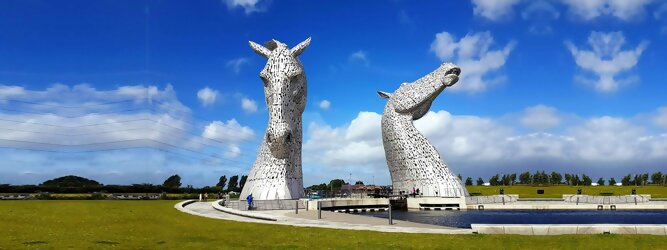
(558, 191)
(157, 225)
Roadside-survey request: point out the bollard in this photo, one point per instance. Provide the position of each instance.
(307, 203)
(319, 211)
(503, 199)
(391, 222)
(297, 207)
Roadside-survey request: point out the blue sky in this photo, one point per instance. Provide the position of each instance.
(566, 85)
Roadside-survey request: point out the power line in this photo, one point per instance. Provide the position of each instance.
(154, 123)
(103, 143)
(126, 148)
(64, 106)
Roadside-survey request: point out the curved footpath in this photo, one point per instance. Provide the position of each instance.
(309, 219)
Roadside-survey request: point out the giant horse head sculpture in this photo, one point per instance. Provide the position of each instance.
(285, 91)
(416, 98)
(276, 173)
(413, 162)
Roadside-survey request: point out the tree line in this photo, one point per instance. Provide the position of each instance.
(74, 184)
(555, 178)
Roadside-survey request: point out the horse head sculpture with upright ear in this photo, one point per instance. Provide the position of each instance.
(413, 162)
(277, 173)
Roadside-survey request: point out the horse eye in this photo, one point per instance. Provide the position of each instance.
(265, 80)
(294, 78)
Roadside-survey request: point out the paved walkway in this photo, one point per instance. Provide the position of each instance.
(329, 220)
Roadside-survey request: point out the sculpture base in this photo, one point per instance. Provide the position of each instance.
(437, 203)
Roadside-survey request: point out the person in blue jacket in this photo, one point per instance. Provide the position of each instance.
(249, 199)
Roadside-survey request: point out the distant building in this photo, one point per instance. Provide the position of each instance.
(363, 190)
(595, 184)
(618, 184)
(486, 184)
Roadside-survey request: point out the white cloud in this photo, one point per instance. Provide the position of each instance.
(607, 60)
(359, 56)
(135, 133)
(661, 117)
(472, 53)
(249, 6)
(540, 9)
(207, 96)
(233, 151)
(481, 146)
(324, 104)
(236, 64)
(230, 131)
(248, 105)
(356, 144)
(625, 10)
(540, 14)
(540, 117)
(493, 10)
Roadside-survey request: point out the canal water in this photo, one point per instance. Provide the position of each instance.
(463, 219)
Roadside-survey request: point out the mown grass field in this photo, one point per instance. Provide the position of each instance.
(157, 225)
(558, 191)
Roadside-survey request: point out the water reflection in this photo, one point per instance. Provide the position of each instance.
(463, 219)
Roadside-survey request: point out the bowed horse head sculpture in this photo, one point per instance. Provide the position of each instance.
(276, 173)
(416, 98)
(413, 162)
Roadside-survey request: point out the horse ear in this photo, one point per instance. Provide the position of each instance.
(296, 51)
(259, 49)
(384, 94)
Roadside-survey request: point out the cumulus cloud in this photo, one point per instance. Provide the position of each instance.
(493, 10)
(356, 144)
(607, 60)
(249, 6)
(540, 13)
(230, 131)
(481, 146)
(474, 55)
(661, 117)
(129, 131)
(621, 9)
(233, 151)
(324, 104)
(540, 117)
(207, 96)
(248, 105)
(236, 64)
(359, 56)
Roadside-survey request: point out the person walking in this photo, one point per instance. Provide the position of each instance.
(206, 196)
(249, 200)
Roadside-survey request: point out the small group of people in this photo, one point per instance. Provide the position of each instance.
(415, 192)
(203, 197)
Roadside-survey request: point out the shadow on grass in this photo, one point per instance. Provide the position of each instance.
(106, 242)
(35, 242)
